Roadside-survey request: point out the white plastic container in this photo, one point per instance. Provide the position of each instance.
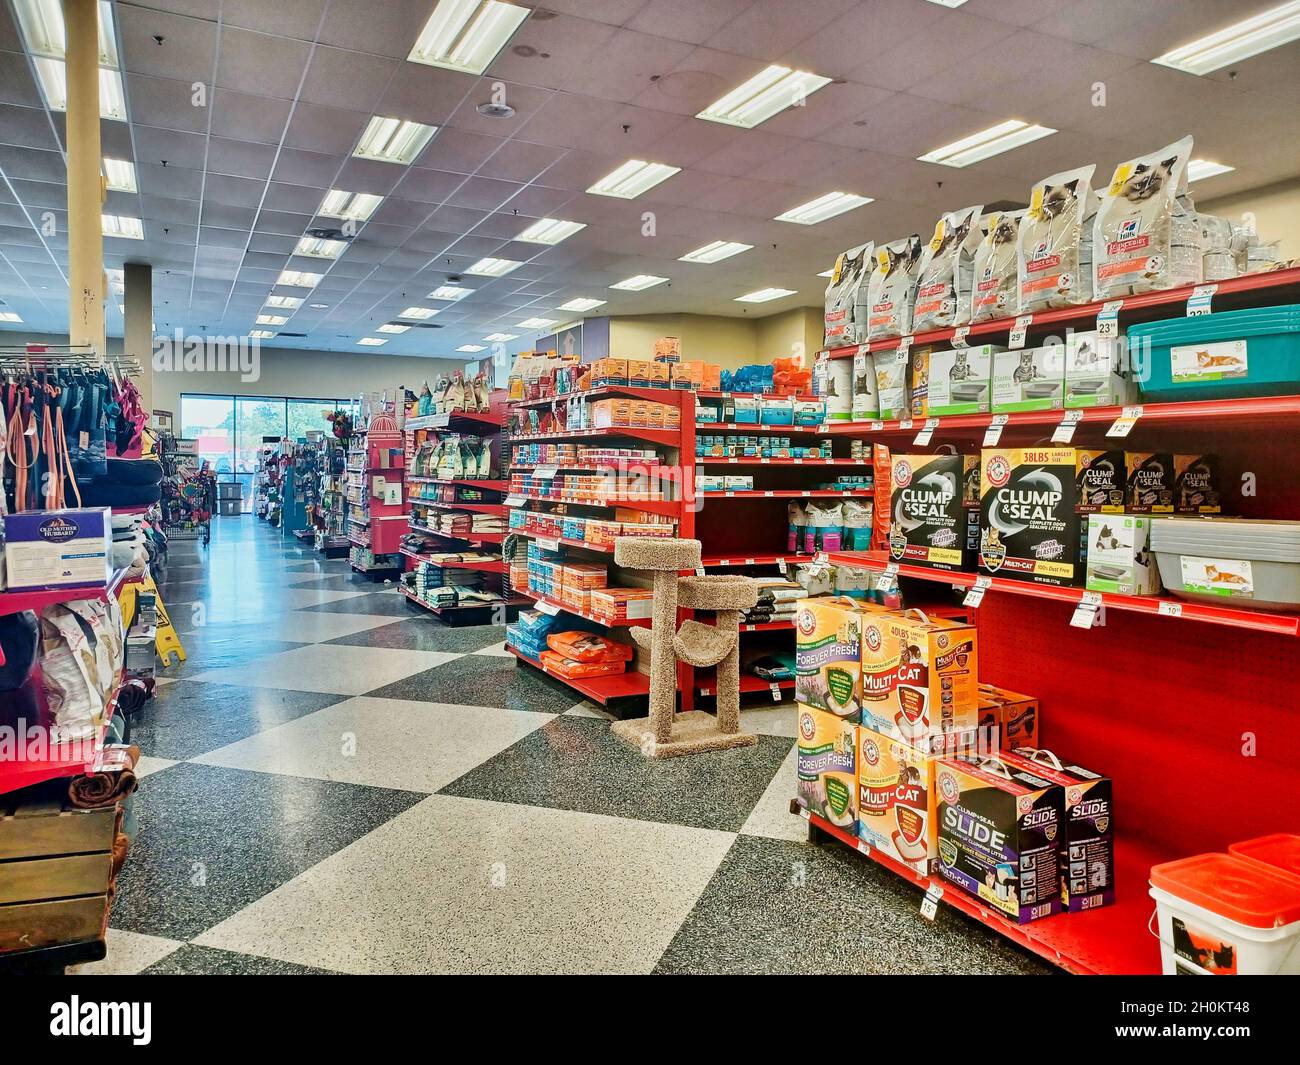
(1220, 915)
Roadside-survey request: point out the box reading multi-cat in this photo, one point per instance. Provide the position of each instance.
(58, 548)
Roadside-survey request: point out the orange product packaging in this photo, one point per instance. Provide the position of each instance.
(712, 377)
(588, 647)
(622, 604)
(638, 373)
(896, 800)
(660, 374)
(1015, 716)
(568, 667)
(688, 375)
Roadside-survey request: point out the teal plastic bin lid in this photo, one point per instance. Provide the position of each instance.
(1224, 325)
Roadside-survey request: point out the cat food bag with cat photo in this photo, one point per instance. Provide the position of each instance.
(1051, 259)
(1144, 238)
(892, 288)
(943, 285)
(846, 297)
(993, 287)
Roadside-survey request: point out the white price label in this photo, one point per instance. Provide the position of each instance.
(780, 566)
(875, 427)
(1108, 319)
(904, 347)
(1019, 330)
(1085, 614)
(888, 576)
(1064, 432)
(1123, 425)
(930, 904)
(1171, 610)
(547, 608)
(927, 431)
(1198, 303)
(959, 336)
(994, 432)
(514, 501)
(546, 544)
(905, 424)
(768, 494)
(976, 594)
(775, 689)
(699, 571)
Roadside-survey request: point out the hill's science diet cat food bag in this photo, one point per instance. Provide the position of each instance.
(845, 316)
(993, 287)
(892, 288)
(826, 767)
(1054, 266)
(1029, 530)
(943, 286)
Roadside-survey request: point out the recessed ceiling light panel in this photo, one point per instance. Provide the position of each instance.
(490, 267)
(119, 175)
(550, 231)
(1260, 33)
(298, 279)
(986, 143)
(371, 342)
(638, 282)
(632, 179)
(418, 312)
(357, 206)
(537, 323)
(449, 293)
(392, 140)
(1200, 169)
(715, 252)
(582, 304)
(466, 35)
(115, 225)
(767, 93)
(822, 208)
(765, 295)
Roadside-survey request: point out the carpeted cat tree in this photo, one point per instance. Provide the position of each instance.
(666, 733)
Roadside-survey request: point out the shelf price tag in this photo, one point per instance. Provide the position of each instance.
(876, 426)
(1123, 425)
(780, 566)
(888, 576)
(994, 432)
(1198, 303)
(699, 571)
(976, 594)
(1019, 330)
(514, 501)
(930, 904)
(1108, 319)
(1171, 610)
(905, 424)
(546, 473)
(546, 544)
(1064, 432)
(959, 336)
(547, 608)
(927, 431)
(775, 689)
(904, 347)
(1085, 614)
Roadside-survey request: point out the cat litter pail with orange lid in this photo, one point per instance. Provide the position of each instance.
(1255, 352)
(1220, 915)
(1280, 851)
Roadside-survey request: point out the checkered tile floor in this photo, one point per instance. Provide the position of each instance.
(335, 782)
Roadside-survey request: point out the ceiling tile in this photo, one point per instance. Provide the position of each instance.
(261, 65)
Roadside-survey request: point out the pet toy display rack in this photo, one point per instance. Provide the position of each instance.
(488, 423)
(373, 524)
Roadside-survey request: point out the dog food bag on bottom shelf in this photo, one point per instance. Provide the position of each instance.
(828, 656)
(893, 383)
(1053, 269)
(1029, 530)
(930, 516)
(994, 289)
(892, 288)
(1144, 237)
(1000, 829)
(943, 284)
(1087, 852)
(826, 767)
(1119, 555)
(845, 316)
(896, 800)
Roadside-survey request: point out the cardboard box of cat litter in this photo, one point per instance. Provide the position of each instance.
(825, 767)
(919, 677)
(1119, 557)
(828, 655)
(896, 800)
(930, 510)
(1150, 482)
(1029, 530)
(1196, 485)
(1101, 481)
(1000, 827)
(1029, 379)
(1096, 371)
(1013, 716)
(58, 548)
(1087, 851)
(952, 381)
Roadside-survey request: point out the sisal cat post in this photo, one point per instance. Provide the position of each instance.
(666, 733)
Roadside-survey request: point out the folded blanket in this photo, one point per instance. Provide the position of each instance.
(115, 780)
(133, 471)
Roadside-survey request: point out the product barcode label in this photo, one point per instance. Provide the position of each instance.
(930, 904)
(1108, 319)
(1198, 303)
(1019, 330)
(1123, 425)
(994, 432)
(1064, 432)
(875, 427)
(927, 431)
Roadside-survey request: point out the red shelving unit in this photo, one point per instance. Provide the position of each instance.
(613, 691)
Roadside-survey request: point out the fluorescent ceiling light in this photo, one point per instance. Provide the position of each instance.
(715, 252)
(318, 306)
(393, 327)
(536, 323)
(987, 142)
(1260, 33)
(371, 342)
(271, 319)
(392, 140)
(490, 267)
(638, 282)
(261, 334)
(117, 225)
(581, 304)
(550, 231)
(470, 347)
(763, 295)
(633, 178)
(418, 312)
(500, 338)
(9, 316)
(466, 35)
(358, 206)
(291, 302)
(1199, 169)
(320, 248)
(762, 96)
(53, 80)
(948, 3)
(822, 208)
(43, 30)
(449, 292)
(119, 175)
(298, 279)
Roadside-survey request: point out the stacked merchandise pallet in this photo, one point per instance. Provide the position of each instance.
(373, 495)
(457, 519)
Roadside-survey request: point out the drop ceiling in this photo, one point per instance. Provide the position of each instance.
(226, 191)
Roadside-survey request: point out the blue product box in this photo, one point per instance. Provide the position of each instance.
(58, 548)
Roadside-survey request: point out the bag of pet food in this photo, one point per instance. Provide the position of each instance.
(846, 297)
(857, 516)
(825, 528)
(1144, 239)
(1051, 256)
(588, 647)
(892, 288)
(993, 288)
(943, 284)
(797, 522)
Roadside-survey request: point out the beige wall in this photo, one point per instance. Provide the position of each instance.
(729, 342)
(789, 333)
(1276, 209)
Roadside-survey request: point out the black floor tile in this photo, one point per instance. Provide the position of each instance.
(193, 960)
(390, 603)
(483, 680)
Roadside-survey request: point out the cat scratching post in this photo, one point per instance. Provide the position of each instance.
(666, 733)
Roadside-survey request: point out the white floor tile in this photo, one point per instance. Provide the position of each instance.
(148, 764)
(335, 668)
(496, 650)
(771, 816)
(128, 954)
(307, 626)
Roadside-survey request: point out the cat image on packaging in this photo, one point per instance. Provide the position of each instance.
(1095, 370)
(896, 800)
(1144, 238)
(1029, 379)
(893, 383)
(1150, 482)
(892, 288)
(1100, 479)
(952, 381)
(1029, 529)
(834, 383)
(943, 286)
(845, 315)
(1119, 557)
(994, 291)
(1053, 267)
(828, 657)
(826, 770)
(866, 402)
(931, 511)
(1196, 484)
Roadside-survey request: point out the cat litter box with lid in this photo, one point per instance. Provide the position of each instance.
(1219, 914)
(1228, 355)
(1278, 851)
(1231, 562)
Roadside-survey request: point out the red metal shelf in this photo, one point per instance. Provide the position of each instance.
(1112, 940)
(38, 600)
(791, 493)
(495, 484)
(668, 507)
(473, 508)
(748, 683)
(768, 626)
(745, 427)
(567, 542)
(631, 391)
(1280, 624)
(474, 419)
(734, 460)
(602, 690)
(481, 565)
(666, 437)
(23, 774)
(514, 601)
(722, 561)
(475, 538)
